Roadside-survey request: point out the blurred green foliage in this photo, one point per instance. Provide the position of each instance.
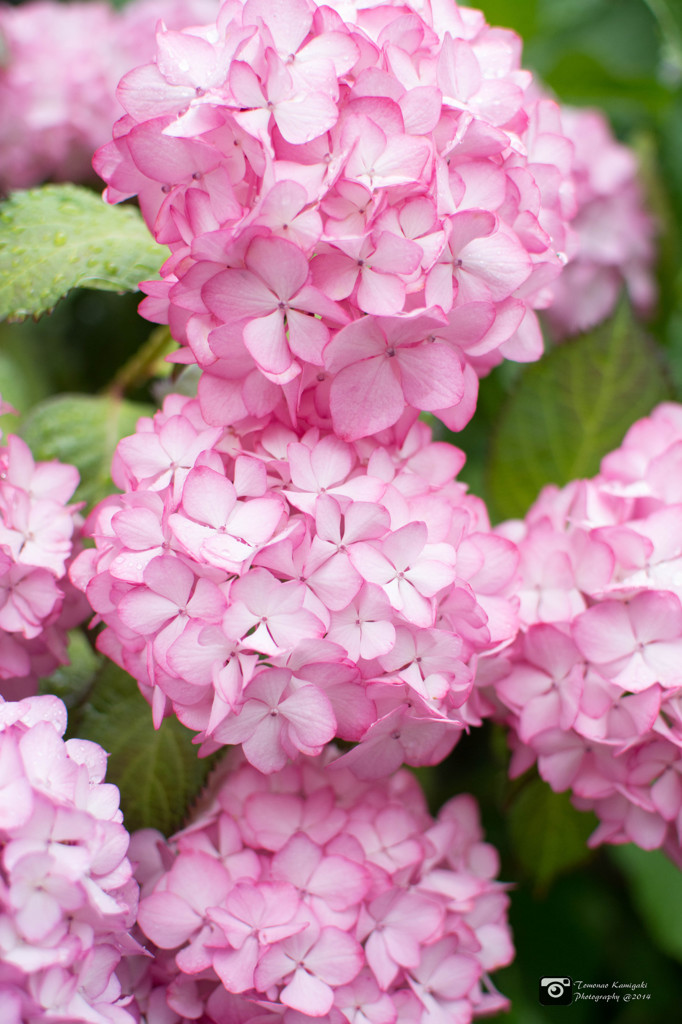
(614, 917)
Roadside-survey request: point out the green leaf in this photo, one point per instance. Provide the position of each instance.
(157, 771)
(548, 835)
(582, 80)
(521, 17)
(570, 409)
(655, 885)
(84, 431)
(71, 682)
(24, 375)
(59, 237)
(669, 17)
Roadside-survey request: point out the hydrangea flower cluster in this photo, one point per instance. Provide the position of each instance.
(593, 683)
(59, 69)
(282, 590)
(306, 895)
(614, 232)
(67, 895)
(38, 603)
(363, 206)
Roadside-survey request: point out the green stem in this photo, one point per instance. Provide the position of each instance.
(147, 362)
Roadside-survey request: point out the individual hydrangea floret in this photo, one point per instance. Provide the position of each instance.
(592, 684)
(59, 68)
(364, 207)
(68, 898)
(306, 895)
(615, 234)
(39, 533)
(278, 590)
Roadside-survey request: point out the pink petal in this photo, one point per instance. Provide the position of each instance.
(265, 338)
(280, 263)
(365, 398)
(604, 633)
(360, 340)
(305, 117)
(431, 376)
(264, 748)
(380, 294)
(208, 497)
(336, 956)
(310, 716)
(336, 582)
(307, 336)
(238, 294)
(167, 920)
(308, 994)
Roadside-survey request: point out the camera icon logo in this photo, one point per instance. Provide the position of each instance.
(556, 991)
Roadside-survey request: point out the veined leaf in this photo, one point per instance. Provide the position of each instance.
(549, 836)
(59, 237)
(570, 409)
(157, 772)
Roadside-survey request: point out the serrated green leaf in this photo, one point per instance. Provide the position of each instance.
(59, 237)
(656, 887)
(84, 431)
(570, 409)
(157, 772)
(548, 835)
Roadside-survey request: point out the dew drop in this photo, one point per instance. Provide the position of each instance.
(59, 238)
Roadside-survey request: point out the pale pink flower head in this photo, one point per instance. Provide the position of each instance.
(307, 895)
(592, 684)
(279, 589)
(39, 534)
(60, 67)
(614, 244)
(363, 207)
(68, 899)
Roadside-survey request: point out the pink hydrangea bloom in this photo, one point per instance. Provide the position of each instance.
(614, 245)
(363, 207)
(60, 66)
(278, 589)
(592, 685)
(39, 533)
(305, 895)
(68, 898)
